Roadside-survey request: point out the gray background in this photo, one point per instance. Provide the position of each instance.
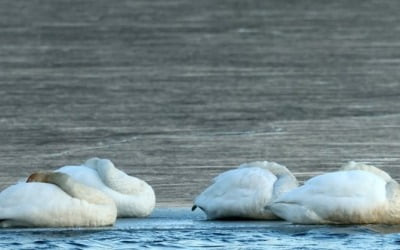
(175, 92)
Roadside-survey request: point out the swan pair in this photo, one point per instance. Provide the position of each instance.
(356, 194)
(92, 194)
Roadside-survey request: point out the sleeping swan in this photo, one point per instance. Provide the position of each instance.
(244, 192)
(51, 199)
(356, 194)
(133, 197)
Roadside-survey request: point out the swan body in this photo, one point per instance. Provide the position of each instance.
(132, 196)
(244, 192)
(56, 201)
(357, 194)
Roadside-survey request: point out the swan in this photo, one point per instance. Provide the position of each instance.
(356, 194)
(133, 197)
(51, 199)
(244, 192)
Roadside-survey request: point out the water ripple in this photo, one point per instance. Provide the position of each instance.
(177, 231)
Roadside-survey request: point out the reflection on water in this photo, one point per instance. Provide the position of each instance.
(180, 228)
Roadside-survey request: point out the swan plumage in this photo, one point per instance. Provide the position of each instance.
(133, 196)
(356, 194)
(243, 192)
(54, 200)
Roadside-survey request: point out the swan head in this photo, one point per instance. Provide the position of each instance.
(99, 164)
(47, 177)
(92, 162)
(96, 162)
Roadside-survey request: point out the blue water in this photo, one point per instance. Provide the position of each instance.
(180, 228)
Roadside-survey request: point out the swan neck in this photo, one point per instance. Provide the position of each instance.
(78, 190)
(283, 184)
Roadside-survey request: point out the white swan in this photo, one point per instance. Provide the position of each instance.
(357, 194)
(133, 197)
(244, 192)
(67, 203)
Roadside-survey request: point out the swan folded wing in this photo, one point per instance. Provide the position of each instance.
(245, 177)
(369, 168)
(237, 193)
(339, 197)
(22, 206)
(45, 205)
(236, 204)
(272, 167)
(249, 179)
(285, 182)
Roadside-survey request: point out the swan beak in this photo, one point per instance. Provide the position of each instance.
(195, 206)
(38, 177)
